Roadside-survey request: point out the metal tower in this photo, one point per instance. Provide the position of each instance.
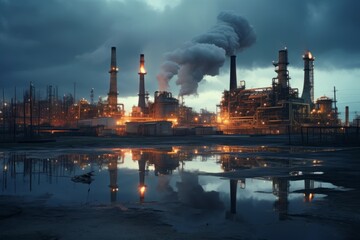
(142, 94)
(280, 84)
(113, 93)
(308, 90)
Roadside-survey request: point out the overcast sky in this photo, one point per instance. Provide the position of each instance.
(59, 42)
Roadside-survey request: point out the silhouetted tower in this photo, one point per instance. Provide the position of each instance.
(347, 123)
(142, 72)
(233, 79)
(113, 93)
(308, 90)
(50, 102)
(92, 96)
(281, 86)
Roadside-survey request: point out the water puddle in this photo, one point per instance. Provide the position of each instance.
(140, 175)
(201, 184)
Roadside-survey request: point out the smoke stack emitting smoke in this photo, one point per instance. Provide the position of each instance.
(205, 54)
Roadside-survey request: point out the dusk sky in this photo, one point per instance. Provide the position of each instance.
(59, 42)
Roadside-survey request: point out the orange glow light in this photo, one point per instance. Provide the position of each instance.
(142, 190)
(310, 55)
(142, 69)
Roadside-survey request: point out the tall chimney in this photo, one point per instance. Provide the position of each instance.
(113, 93)
(281, 69)
(281, 87)
(142, 72)
(233, 80)
(308, 90)
(347, 124)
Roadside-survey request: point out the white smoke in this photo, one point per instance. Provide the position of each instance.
(205, 54)
(168, 70)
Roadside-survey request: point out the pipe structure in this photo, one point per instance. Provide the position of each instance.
(308, 90)
(233, 79)
(142, 73)
(113, 93)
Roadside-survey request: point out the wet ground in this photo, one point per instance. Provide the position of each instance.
(206, 188)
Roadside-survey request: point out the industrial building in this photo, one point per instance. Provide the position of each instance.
(274, 109)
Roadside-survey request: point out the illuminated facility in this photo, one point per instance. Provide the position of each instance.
(268, 110)
(275, 108)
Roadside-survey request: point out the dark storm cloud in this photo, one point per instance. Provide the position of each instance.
(61, 42)
(322, 26)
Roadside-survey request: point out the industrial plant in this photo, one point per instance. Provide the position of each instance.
(276, 109)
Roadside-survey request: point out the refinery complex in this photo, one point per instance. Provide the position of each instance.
(275, 109)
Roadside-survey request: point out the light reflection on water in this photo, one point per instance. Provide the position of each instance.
(163, 176)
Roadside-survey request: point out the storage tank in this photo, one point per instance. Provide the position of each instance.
(165, 106)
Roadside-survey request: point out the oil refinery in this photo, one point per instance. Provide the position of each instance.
(275, 109)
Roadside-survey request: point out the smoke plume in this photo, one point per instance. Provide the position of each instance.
(206, 53)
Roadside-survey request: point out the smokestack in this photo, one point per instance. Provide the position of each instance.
(347, 116)
(112, 95)
(142, 72)
(233, 80)
(308, 90)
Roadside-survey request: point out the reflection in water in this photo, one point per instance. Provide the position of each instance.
(155, 170)
(233, 191)
(281, 190)
(164, 161)
(85, 178)
(191, 193)
(142, 186)
(308, 185)
(112, 168)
